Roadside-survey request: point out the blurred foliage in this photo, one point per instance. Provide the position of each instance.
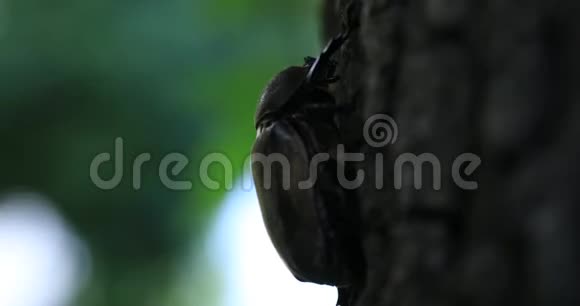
(166, 76)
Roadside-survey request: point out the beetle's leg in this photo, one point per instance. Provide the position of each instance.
(320, 107)
(331, 80)
(331, 76)
(330, 109)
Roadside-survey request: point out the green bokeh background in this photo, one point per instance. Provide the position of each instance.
(166, 76)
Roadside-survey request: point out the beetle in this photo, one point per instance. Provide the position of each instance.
(309, 227)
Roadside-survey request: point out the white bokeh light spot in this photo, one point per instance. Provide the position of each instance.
(39, 257)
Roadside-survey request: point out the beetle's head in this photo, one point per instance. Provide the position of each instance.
(317, 73)
(279, 92)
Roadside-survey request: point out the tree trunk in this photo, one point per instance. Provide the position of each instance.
(498, 79)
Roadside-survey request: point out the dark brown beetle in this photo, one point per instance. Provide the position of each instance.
(309, 227)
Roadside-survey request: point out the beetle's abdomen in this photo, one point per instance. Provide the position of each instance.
(295, 217)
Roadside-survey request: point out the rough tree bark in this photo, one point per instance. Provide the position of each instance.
(499, 79)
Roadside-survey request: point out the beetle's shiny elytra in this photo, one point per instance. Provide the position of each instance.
(294, 119)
